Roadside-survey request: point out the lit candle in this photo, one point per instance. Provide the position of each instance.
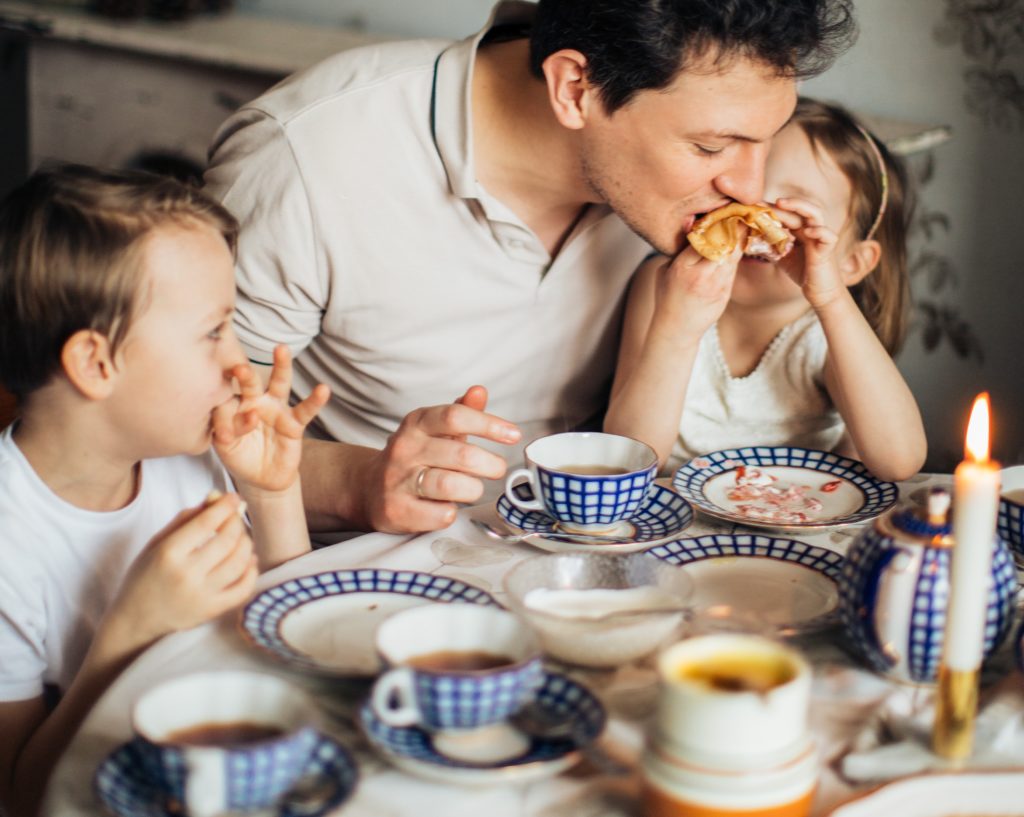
(975, 504)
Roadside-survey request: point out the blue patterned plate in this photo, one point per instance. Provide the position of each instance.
(663, 515)
(785, 584)
(326, 622)
(412, 750)
(124, 784)
(783, 488)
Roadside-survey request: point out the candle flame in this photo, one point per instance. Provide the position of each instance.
(977, 430)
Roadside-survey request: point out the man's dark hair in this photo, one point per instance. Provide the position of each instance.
(633, 45)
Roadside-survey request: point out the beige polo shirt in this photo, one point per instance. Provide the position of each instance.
(371, 250)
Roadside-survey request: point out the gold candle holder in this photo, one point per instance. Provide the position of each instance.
(956, 707)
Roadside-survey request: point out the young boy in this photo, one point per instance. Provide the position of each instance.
(116, 296)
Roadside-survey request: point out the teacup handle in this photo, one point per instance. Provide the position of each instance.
(523, 473)
(394, 698)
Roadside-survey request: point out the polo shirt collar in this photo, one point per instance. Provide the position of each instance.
(451, 119)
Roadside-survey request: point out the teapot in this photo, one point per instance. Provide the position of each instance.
(894, 590)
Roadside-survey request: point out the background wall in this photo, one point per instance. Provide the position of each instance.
(953, 62)
(420, 18)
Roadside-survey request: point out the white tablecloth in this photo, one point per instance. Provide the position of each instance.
(843, 698)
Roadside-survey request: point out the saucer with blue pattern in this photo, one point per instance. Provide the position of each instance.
(125, 786)
(663, 515)
(475, 757)
(779, 585)
(325, 623)
(783, 488)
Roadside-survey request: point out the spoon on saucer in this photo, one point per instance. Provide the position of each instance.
(559, 536)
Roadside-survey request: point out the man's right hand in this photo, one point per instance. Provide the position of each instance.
(427, 466)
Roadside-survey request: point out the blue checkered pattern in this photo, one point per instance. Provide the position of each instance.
(868, 561)
(689, 480)
(558, 694)
(713, 546)
(663, 514)
(452, 700)
(262, 617)
(1010, 525)
(593, 500)
(142, 780)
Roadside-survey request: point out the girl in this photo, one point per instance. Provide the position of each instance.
(796, 352)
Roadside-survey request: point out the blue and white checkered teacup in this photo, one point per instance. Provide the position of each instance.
(1010, 522)
(455, 666)
(587, 481)
(185, 725)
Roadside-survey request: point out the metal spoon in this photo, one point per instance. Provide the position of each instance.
(575, 538)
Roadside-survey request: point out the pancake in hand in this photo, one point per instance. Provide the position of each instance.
(717, 234)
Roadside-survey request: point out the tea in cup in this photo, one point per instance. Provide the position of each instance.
(1010, 522)
(731, 734)
(587, 481)
(226, 741)
(455, 667)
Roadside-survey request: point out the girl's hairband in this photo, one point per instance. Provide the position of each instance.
(884, 179)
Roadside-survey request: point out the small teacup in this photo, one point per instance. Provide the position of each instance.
(587, 481)
(733, 701)
(1010, 523)
(731, 735)
(226, 741)
(455, 667)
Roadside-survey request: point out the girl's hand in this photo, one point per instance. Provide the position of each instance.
(692, 292)
(812, 264)
(256, 434)
(196, 568)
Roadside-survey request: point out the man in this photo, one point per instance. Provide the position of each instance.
(420, 216)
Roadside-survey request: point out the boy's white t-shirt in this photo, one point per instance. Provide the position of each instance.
(61, 566)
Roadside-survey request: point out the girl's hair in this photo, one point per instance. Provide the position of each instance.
(71, 241)
(878, 192)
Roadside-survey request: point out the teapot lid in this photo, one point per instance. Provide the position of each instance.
(928, 522)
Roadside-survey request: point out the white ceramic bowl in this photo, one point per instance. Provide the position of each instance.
(577, 604)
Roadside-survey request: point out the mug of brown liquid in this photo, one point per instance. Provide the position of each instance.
(226, 741)
(455, 667)
(586, 481)
(730, 736)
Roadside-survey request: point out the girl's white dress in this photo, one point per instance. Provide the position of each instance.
(782, 402)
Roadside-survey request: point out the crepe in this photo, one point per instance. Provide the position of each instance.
(719, 232)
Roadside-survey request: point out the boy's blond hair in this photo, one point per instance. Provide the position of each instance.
(71, 258)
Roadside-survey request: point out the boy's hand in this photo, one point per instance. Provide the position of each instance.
(256, 434)
(812, 264)
(196, 568)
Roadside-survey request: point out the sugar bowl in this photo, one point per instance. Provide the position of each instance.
(894, 590)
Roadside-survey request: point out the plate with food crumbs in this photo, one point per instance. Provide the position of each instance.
(326, 622)
(783, 488)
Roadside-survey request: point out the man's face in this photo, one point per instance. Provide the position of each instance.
(670, 155)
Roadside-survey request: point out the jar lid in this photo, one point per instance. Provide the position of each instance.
(928, 522)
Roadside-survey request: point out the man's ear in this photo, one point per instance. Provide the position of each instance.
(569, 91)
(88, 364)
(860, 261)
